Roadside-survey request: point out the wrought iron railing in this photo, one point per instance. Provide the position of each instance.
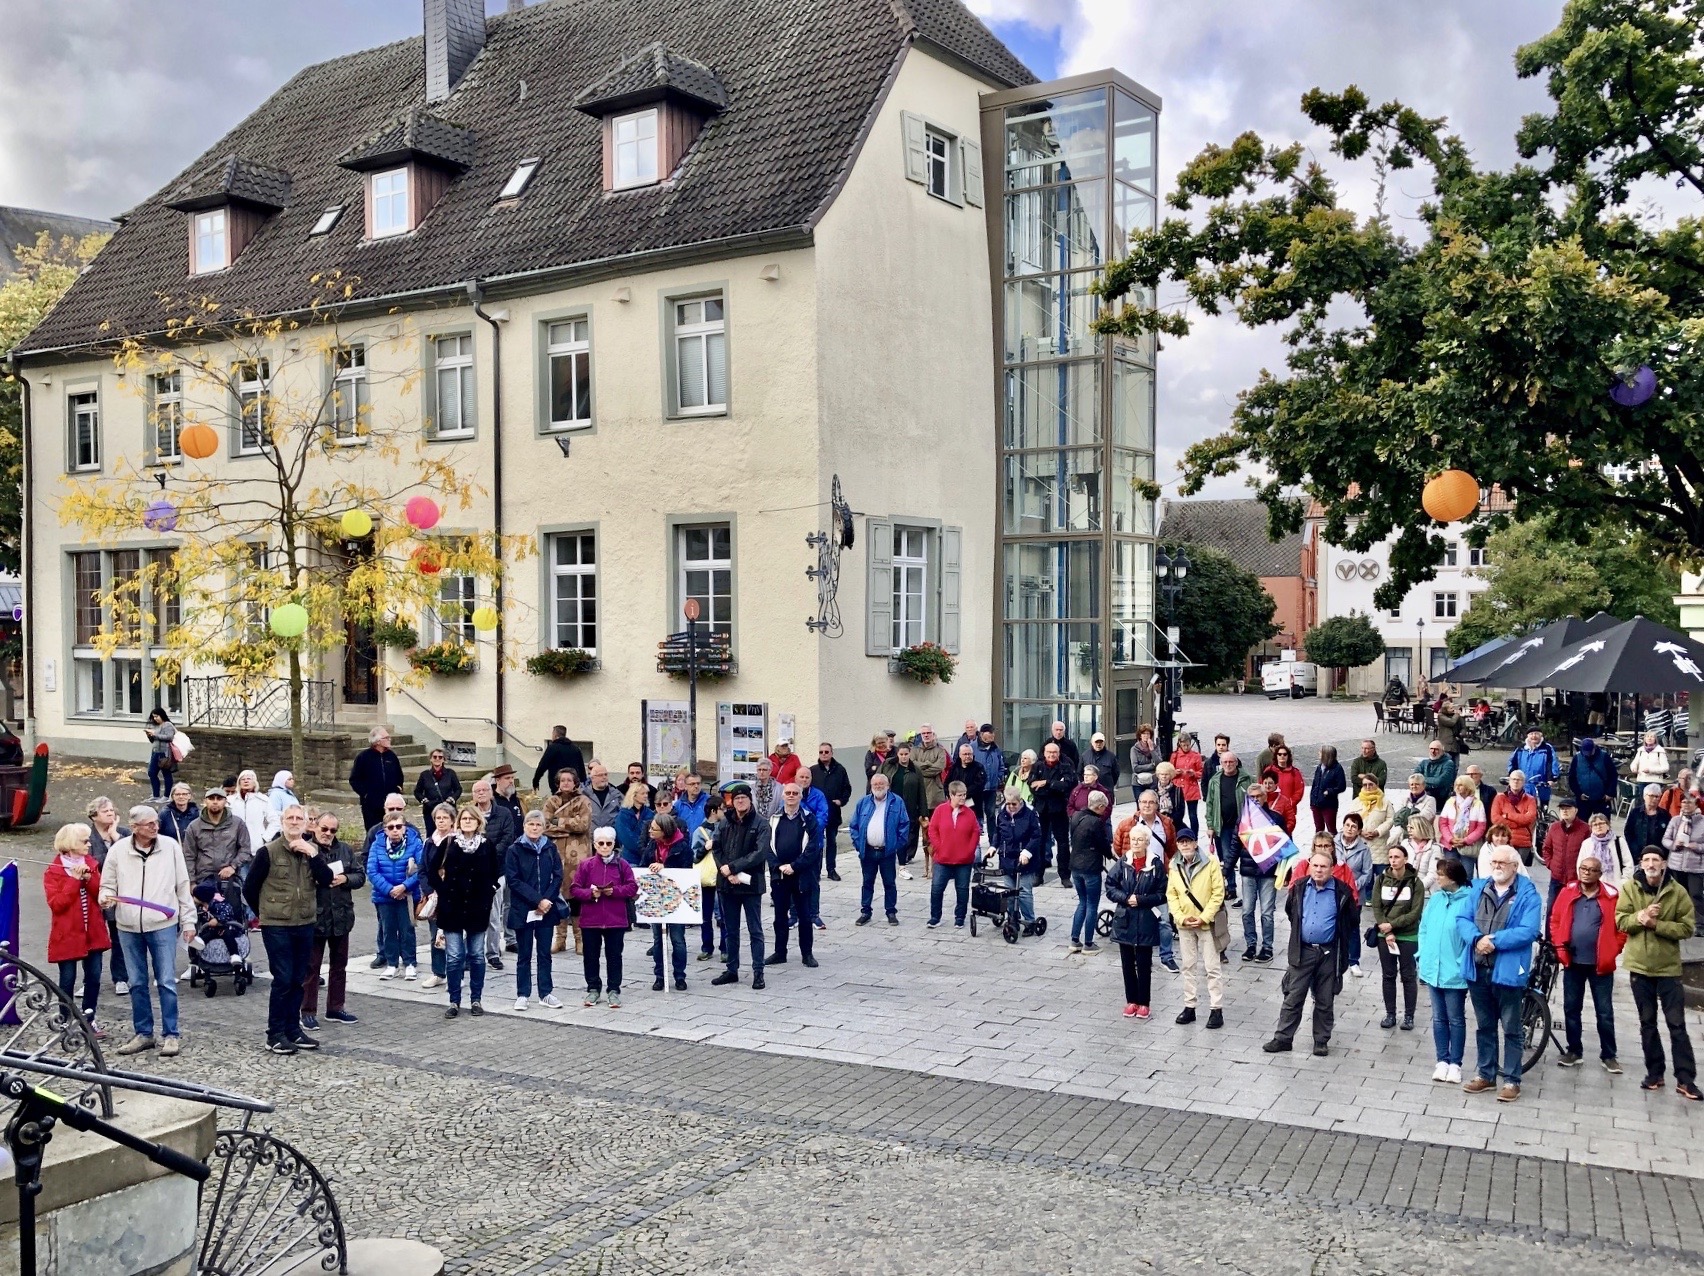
(40, 1025)
(225, 701)
(268, 1210)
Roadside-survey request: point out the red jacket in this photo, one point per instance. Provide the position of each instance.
(1292, 786)
(1610, 940)
(78, 928)
(954, 842)
(1519, 817)
(785, 767)
(1188, 763)
(1282, 808)
(1562, 850)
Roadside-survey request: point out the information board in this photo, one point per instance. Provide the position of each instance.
(742, 738)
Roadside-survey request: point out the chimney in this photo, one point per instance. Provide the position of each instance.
(515, 6)
(455, 32)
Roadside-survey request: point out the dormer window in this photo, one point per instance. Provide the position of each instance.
(653, 106)
(212, 241)
(409, 164)
(388, 199)
(633, 142)
(227, 201)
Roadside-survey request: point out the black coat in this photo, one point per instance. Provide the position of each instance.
(559, 755)
(432, 790)
(835, 784)
(974, 777)
(466, 882)
(1067, 751)
(1135, 923)
(1346, 935)
(374, 777)
(337, 903)
(532, 875)
(743, 847)
(1091, 842)
(1050, 799)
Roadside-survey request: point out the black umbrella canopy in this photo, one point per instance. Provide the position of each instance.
(1532, 654)
(1637, 655)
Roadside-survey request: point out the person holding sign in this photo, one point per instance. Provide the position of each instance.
(670, 849)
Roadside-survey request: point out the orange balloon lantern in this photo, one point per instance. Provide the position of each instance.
(427, 561)
(199, 441)
(1450, 496)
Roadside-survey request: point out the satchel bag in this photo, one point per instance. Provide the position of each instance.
(1221, 922)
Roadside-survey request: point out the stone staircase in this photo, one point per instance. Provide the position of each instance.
(414, 756)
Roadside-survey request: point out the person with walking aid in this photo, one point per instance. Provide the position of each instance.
(603, 885)
(533, 870)
(796, 839)
(1323, 931)
(881, 825)
(146, 883)
(79, 932)
(742, 852)
(1399, 900)
(1136, 886)
(1587, 943)
(1502, 928)
(1195, 893)
(334, 919)
(283, 892)
(1656, 915)
(1091, 848)
(1442, 963)
(1019, 847)
(463, 871)
(955, 833)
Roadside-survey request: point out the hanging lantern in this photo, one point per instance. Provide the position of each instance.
(422, 512)
(1450, 496)
(427, 561)
(289, 620)
(160, 516)
(485, 619)
(198, 441)
(356, 524)
(1635, 390)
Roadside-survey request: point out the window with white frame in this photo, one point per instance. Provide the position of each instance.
(1449, 554)
(910, 585)
(119, 684)
(1476, 557)
(704, 558)
(519, 179)
(167, 416)
(701, 356)
(938, 150)
(568, 360)
(212, 241)
(348, 392)
(1395, 613)
(389, 200)
(947, 165)
(1444, 605)
(633, 149)
(252, 415)
(574, 591)
(451, 620)
(327, 220)
(452, 374)
(85, 428)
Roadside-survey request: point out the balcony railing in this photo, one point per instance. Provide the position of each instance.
(223, 701)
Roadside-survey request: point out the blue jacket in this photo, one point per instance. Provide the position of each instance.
(993, 763)
(1592, 777)
(1328, 783)
(806, 856)
(690, 814)
(1439, 958)
(384, 871)
(897, 826)
(1015, 833)
(811, 800)
(633, 834)
(1513, 962)
(534, 872)
(1359, 858)
(1538, 765)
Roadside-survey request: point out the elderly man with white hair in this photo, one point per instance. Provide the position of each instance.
(283, 892)
(145, 880)
(375, 773)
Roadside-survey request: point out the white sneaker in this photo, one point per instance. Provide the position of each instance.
(391, 972)
(551, 1001)
(1357, 972)
(1441, 1072)
(520, 1003)
(121, 988)
(410, 973)
(1454, 1074)
(431, 981)
(906, 874)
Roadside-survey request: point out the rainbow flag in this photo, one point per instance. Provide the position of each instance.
(1265, 839)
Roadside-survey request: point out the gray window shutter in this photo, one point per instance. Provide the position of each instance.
(952, 550)
(972, 167)
(916, 147)
(429, 387)
(878, 590)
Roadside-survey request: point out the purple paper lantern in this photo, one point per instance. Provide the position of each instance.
(160, 516)
(1634, 391)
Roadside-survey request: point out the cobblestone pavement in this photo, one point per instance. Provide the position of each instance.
(530, 1147)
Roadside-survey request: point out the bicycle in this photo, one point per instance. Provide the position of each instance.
(1537, 1025)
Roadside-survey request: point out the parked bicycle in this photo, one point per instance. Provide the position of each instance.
(1537, 1026)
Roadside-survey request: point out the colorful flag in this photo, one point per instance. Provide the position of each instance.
(1264, 838)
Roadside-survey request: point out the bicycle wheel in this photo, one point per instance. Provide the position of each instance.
(1535, 1029)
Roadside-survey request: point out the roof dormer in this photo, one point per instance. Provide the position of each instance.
(409, 164)
(652, 107)
(227, 200)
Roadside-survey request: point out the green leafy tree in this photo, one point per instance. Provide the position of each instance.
(1222, 613)
(1490, 342)
(1344, 642)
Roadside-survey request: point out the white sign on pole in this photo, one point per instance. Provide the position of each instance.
(742, 738)
(667, 744)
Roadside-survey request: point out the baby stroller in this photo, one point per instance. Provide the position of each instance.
(992, 899)
(221, 924)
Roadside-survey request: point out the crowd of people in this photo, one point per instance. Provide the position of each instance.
(1441, 877)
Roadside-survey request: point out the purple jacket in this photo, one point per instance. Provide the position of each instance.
(608, 912)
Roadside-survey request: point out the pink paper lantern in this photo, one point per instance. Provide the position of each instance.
(422, 512)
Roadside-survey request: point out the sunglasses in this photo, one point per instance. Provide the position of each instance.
(392, 828)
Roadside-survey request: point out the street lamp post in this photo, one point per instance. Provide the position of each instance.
(1170, 570)
(1419, 654)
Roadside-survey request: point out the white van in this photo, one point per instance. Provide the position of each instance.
(1293, 678)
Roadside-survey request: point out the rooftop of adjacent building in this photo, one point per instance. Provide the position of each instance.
(1239, 528)
(20, 227)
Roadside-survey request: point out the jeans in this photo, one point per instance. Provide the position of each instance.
(751, 908)
(1137, 963)
(439, 966)
(1025, 884)
(396, 932)
(1259, 895)
(677, 949)
(1399, 963)
(607, 942)
(792, 894)
(162, 773)
(532, 943)
(159, 948)
(1651, 993)
(959, 876)
(1497, 1008)
(464, 950)
(287, 952)
(1226, 843)
(336, 981)
(1552, 894)
(1575, 980)
(91, 980)
(1088, 888)
(712, 915)
(890, 885)
(1193, 807)
(1449, 1024)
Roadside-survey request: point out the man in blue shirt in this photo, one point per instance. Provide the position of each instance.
(1323, 915)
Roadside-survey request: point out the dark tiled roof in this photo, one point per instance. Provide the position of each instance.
(414, 135)
(653, 72)
(801, 76)
(232, 178)
(1238, 529)
(20, 226)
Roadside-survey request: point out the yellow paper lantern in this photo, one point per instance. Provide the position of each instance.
(1450, 496)
(356, 524)
(485, 619)
(289, 620)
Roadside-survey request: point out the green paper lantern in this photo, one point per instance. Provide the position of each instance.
(290, 620)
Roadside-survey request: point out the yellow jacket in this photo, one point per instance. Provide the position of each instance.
(1207, 884)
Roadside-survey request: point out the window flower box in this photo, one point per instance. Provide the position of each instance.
(927, 662)
(562, 662)
(443, 658)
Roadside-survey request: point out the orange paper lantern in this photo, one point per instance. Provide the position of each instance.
(199, 441)
(1450, 496)
(427, 561)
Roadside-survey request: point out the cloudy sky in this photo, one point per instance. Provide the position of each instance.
(101, 101)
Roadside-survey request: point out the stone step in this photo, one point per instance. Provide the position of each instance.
(371, 1256)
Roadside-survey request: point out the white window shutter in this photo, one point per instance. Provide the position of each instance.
(878, 590)
(971, 154)
(952, 550)
(916, 147)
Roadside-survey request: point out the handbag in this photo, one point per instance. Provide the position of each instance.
(427, 909)
(182, 746)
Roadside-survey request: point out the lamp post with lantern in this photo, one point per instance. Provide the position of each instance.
(1169, 572)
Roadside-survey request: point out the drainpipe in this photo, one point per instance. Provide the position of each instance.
(28, 557)
(476, 295)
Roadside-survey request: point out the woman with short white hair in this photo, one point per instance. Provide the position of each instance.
(254, 809)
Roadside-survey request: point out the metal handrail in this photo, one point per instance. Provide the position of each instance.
(446, 719)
